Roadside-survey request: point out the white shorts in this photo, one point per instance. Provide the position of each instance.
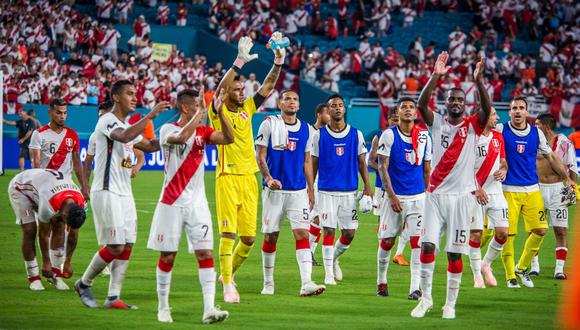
(496, 211)
(378, 201)
(392, 223)
(452, 215)
(314, 213)
(338, 210)
(115, 218)
(552, 195)
(292, 203)
(170, 221)
(23, 207)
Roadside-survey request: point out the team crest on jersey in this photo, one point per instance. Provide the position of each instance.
(340, 151)
(69, 142)
(462, 132)
(521, 148)
(160, 238)
(324, 216)
(199, 141)
(495, 143)
(244, 115)
(291, 145)
(410, 157)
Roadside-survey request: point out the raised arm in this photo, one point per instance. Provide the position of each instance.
(244, 47)
(226, 135)
(483, 95)
(440, 69)
(272, 77)
(130, 133)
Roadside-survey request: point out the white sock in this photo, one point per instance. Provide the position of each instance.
(453, 284)
(31, 267)
(383, 257)
(268, 260)
(304, 259)
(118, 269)
(163, 286)
(535, 266)
(493, 251)
(475, 260)
(57, 257)
(403, 239)
(426, 282)
(95, 268)
(207, 281)
(328, 260)
(415, 270)
(339, 249)
(561, 254)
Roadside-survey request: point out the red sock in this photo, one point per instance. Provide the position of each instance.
(163, 266)
(268, 247)
(207, 263)
(455, 267)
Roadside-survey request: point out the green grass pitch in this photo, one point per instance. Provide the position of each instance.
(350, 304)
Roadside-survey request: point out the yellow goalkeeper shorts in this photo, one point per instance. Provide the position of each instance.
(237, 204)
(530, 205)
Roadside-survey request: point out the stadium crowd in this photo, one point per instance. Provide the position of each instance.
(74, 57)
(553, 73)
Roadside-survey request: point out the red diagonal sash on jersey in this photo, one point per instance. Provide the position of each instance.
(333, 68)
(60, 155)
(183, 175)
(302, 16)
(555, 144)
(487, 165)
(108, 38)
(449, 158)
(415, 141)
(455, 47)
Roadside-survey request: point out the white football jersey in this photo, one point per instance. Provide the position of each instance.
(91, 145)
(488, 152)
(113, 159)
(453, 161)
(56, 149)
(47, 189)
(183, 185)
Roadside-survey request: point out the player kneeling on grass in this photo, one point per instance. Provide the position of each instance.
(490, 171)
(404, 154)
(58, 202)
(283, 154)
(111, 194)
(183, 204)
(338, 156)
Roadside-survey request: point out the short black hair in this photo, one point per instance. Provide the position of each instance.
(76, 216)
(30, 112)
(185, 96)
(393, 110)
(118, 86)
(320, 108)
(453, 89)
(288, 90)
(547, 119)
(520, 98)
(56, 102)
(404, 99)
(335, 96)
(106, 105)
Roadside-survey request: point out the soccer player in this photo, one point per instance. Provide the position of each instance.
(449, 204)
(56, 147)
(523, 142)
(551, 187)
(236, 184)
(338, 152)
(114, 209)
(490, 171)
(182, 205)
(322, 118)
(56, 201)
(288, 188)
(404, 165)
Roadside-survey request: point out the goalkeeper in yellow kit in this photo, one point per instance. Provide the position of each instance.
(236, 185)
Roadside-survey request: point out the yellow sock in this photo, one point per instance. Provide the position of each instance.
(507, 256)
(226, 248)
(531, 247)
(240, 255)
(486, 236)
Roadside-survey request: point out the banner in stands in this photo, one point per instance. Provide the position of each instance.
(153, 161)
(161, 52)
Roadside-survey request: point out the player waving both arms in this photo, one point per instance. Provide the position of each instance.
(236, 188)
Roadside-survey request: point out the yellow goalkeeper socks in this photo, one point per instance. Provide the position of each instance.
(240, 255)
(226, 248)
(531, 248)
(486, 236)
(507, 256)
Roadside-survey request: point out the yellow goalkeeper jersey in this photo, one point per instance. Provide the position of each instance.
(238, 157)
